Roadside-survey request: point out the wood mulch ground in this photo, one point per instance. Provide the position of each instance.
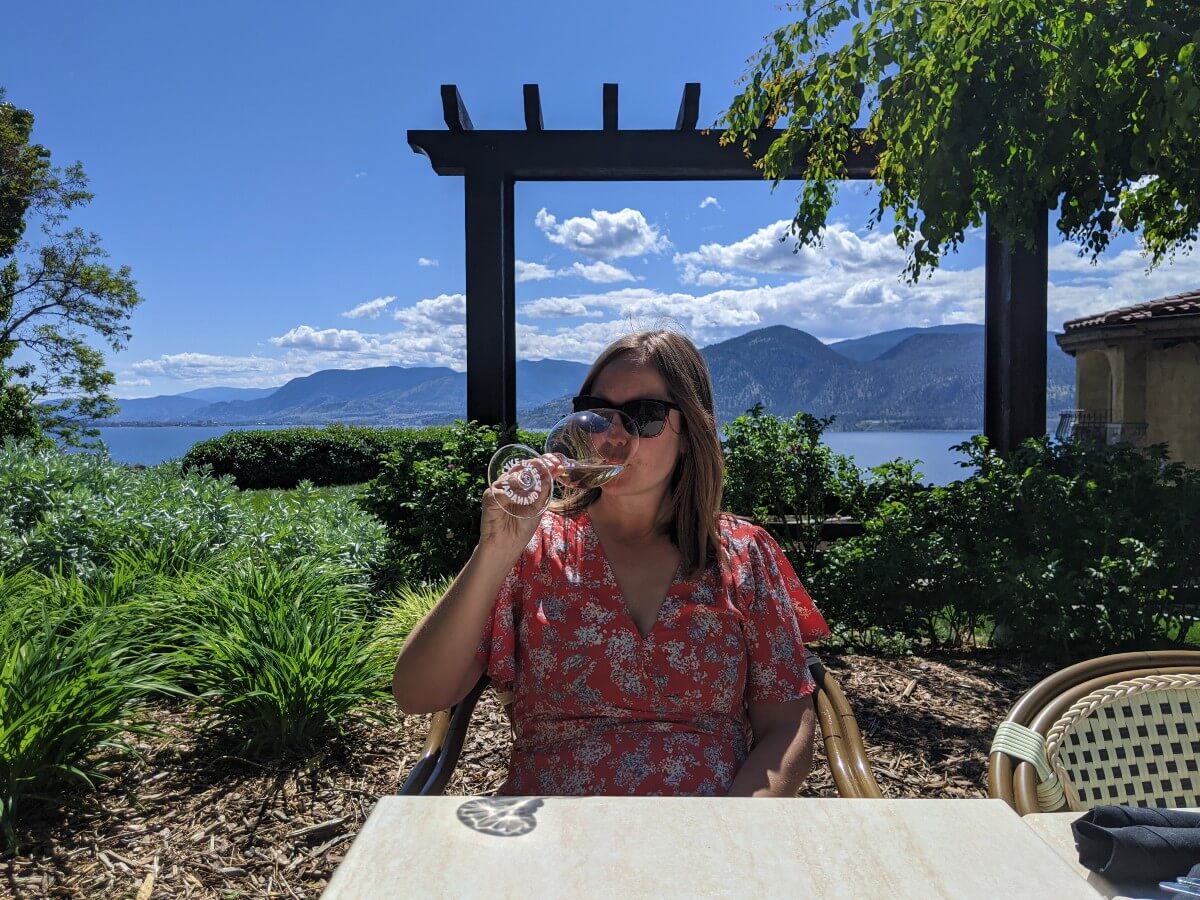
(189, 821)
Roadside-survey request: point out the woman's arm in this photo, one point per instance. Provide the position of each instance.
(437, 666)
(783, 749)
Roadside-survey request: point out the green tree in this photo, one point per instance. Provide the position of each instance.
(57, 295)
(978, 106)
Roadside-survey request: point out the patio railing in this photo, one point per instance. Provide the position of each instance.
(1096, 425)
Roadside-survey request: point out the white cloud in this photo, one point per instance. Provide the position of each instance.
(444, 309)
(713, 278)
(360, 174)
(531, 271)
(772, 250)
(558, 307)
(426, 261)
(1080, 288)
(710, 201)
(369, 310)
(597, 272)
(330, 339)
(209, 369)
(606, 235)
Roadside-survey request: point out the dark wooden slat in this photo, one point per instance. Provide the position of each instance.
(610, 107)
(491, 311)
(533, 107)
(454, 111)
(689, 107)
(658, 155)
(1014, 400)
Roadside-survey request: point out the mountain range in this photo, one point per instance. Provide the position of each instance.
(907, 379)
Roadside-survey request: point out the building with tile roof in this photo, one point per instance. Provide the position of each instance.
(1137, 373)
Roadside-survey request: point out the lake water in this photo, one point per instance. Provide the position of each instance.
(154, 444)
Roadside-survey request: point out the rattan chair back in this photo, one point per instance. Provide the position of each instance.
(1136, 742)
(1120, 729)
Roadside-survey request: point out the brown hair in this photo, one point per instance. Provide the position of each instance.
(698, 480)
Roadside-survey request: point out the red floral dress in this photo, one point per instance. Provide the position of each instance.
(601, 710)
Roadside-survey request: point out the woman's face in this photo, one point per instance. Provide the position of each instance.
(649, 471)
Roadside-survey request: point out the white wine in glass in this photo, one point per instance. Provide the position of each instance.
(593, 445)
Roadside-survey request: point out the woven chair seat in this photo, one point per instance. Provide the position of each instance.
(1136, 742)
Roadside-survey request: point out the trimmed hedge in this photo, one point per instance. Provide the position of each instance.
(337, 454)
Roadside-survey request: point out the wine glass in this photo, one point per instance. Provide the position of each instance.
(593, 445)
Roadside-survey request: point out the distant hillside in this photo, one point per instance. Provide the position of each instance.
(909, 379)
(922, 379)
(217, 394)
(384, 395)
(873, 346)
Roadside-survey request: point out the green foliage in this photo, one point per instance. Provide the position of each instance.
(72, 679)
(56, 294)
(1005, 108)
(430, 504)
(81, 513)
(307, 523)
(72, 512)
(1059, 549)
(779, 469)
(337, 454)
(400, 614)
(281, 654)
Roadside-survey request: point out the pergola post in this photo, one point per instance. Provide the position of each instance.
(1014, 395)
(491, 297)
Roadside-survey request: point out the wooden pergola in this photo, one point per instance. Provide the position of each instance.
(492, 162)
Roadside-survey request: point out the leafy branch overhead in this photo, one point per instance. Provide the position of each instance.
(980, 106)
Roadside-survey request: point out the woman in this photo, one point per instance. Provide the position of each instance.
(653, 645)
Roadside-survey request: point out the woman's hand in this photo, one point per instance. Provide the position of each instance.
(506, 535)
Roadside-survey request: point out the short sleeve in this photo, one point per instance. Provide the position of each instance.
(497, 650)
(779, 617)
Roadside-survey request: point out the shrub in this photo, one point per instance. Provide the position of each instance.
(337, 454)
(401, 613)
(71, 681)
(309, 523)
(71, 512)
(779, 469)
(281, 653)
(431, 504)
(1061, 549)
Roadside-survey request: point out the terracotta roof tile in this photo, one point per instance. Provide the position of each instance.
(1176, 305)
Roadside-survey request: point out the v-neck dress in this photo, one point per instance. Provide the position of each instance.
(601, 710)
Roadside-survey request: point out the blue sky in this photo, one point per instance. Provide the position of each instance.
(250, 165)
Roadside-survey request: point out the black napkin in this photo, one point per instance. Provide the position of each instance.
(1127, 843)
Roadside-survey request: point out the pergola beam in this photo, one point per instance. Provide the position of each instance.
(650, 155)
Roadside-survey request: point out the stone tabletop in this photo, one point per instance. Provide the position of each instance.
(1055, 830)
(603, 847)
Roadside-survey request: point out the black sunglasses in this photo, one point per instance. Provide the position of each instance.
(648, 416)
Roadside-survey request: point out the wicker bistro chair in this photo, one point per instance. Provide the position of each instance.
(1121, 729)
(840, 734)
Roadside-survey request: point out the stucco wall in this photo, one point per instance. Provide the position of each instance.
(1093, 383)
(1173, 400)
